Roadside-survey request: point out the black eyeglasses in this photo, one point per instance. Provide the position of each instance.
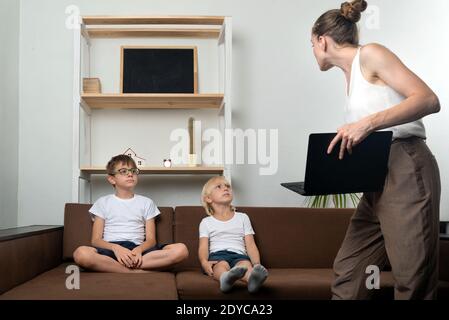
(124, 171)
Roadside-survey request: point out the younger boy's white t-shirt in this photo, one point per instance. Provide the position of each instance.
(124, 219)
(227, 235)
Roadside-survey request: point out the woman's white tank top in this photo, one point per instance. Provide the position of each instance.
(366, 99)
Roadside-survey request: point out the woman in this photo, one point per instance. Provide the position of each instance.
(402, 221)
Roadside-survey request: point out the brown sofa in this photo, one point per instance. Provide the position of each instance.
(297, 245)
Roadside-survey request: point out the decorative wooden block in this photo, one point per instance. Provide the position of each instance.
(193, 160)
(91, 85)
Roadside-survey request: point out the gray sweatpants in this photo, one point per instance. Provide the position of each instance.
(402, 222)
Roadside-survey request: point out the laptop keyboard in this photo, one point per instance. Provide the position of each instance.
(295, 186)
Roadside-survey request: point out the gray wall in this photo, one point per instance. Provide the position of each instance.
(276, 85)
(9, 111)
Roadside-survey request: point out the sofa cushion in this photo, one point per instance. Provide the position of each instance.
(286, 237)
(97, 286)
(306, 284)
(78, 227)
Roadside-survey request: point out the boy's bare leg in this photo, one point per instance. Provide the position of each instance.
(220, 268)
(167, 257)
(255, 276)
(227, 276)
(87, 257)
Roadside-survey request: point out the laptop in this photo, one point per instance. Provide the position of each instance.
(364, 170)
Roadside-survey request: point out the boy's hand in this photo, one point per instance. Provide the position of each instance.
(137, 257)
(207, 267)
(123, 255)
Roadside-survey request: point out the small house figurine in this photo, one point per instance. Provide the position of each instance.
(140, 162)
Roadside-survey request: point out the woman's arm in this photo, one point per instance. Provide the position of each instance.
(382, 66)
(251, 249)
(419, 101)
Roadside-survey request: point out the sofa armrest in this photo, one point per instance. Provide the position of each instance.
(26, 252)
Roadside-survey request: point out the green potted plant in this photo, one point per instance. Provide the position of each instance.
(337, 200)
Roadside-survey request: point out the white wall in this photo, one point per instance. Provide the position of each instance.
(9, 111)
(276, 84)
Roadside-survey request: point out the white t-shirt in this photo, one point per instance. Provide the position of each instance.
(124, 219)
(226, 235)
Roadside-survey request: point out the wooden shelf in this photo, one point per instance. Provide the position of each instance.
(214, 29)
(163, 170)
(152, 32)
(123, 20)
(152, 101)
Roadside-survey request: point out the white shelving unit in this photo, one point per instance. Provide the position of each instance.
(93, 27)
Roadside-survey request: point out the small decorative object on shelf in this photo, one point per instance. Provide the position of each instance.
(91, 85)
(194, 142)
(192, 160)
(140, 162)
(167, 163)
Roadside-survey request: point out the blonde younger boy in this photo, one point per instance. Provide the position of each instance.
(227, 250)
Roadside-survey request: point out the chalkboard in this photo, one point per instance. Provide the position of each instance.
(159, 70)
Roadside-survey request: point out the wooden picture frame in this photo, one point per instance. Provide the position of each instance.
(195, 61)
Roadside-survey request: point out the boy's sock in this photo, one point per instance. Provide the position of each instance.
(256, 278)
(227, 279)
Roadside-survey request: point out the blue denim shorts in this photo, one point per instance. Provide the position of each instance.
(230, 257)
(128, 245)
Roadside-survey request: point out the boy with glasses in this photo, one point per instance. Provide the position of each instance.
(124, 230)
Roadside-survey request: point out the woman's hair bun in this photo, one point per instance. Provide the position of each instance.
(352, 10)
